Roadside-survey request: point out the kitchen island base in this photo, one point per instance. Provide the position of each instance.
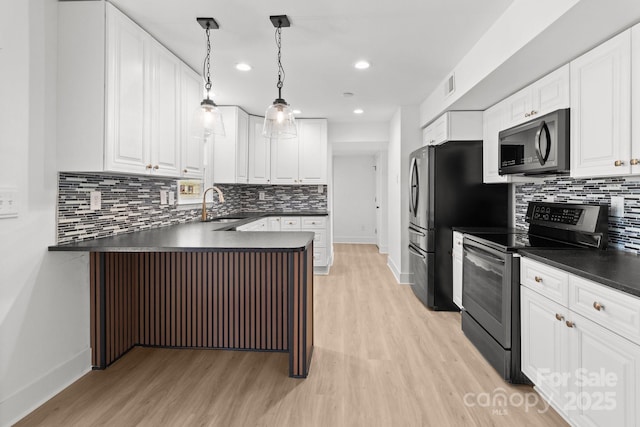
(234, 300)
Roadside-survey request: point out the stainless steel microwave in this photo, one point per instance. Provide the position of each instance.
(539, 146)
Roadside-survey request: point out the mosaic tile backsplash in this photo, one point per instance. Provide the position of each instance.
(624, 232)
(132, 203)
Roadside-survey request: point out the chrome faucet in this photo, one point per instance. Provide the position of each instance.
(204, 200)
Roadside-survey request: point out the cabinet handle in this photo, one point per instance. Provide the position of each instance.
(458, 243)
(570, 324)
(149, 166)
(184, 171)
(156, 167)
(598, 306)
(634, 162)
(527, 114)
(618, 163)
(534, 112)
(559, 317)
(538, 279)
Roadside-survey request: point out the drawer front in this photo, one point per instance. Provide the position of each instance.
(547, 281)
(614, 310)
(290, 223)
(313, 222)
(320, 238)
(457, 243)
(319, 257)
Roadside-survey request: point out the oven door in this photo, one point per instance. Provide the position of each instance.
(486, 289)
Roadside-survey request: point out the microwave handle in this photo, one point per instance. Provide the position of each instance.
(543, 128)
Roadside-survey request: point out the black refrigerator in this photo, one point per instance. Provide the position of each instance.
(445, 191)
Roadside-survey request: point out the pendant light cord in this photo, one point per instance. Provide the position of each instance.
(281, 74)
(206, 67)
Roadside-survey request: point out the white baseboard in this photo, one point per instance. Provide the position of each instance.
(366, 240)
(30, 397)
(383, 249)
(401, 278)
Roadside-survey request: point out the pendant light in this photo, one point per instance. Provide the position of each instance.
(207, 118)
(279, 121)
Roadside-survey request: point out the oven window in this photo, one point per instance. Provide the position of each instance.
(483, 280)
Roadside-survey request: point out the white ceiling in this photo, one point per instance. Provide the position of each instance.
(411, 45)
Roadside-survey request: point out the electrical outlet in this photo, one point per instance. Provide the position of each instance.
(617, 206)
(172, 198)
(261, 195)
(163, 197)
(320, 189)
(550, 199)
(96, 201)
(9, 203)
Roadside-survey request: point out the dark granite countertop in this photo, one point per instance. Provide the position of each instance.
(616, 269)
(195, 237)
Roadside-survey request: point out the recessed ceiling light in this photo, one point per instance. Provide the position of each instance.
(243, 67)
(358, 111)
(297, 112)
(362, 65)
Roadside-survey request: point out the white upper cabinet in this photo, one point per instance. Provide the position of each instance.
(601, 109)
(141, 97)
(230, 161)
(493, 121)
(284, 160)
(301, 160)
(128, 95)
(546, 95)
(259, 153)
(312, 151)
(192, 146)
(454, 126)
(165, 108)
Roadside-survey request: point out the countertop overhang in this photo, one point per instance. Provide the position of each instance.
(200, 236)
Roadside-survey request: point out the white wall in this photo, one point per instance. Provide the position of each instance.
(44, 318)
(404, 137)
(358, 138)
(354, 208)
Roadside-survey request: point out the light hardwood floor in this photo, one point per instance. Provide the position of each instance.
(380, 359)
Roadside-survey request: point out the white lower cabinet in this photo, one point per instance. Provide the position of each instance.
(315, 224)
(586, 366)
(456, 253)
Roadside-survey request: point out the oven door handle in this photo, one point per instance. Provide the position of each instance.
(416, 253)
(480, 253)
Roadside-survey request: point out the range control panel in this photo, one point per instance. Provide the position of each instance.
(562, 215)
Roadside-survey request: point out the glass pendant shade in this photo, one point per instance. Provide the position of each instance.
(279, 121)
(207, 121)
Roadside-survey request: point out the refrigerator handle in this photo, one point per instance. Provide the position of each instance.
(413, 204)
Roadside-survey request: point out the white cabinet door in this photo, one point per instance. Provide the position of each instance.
(274, 223)
(605, 389)
(127, 141)
(242, 148)
(284, 160)
(544, 337)
(259, 153)
(635, 100)
(192, 147)
(312, 151)
(517, 108)
(456, 253)
(492, 124)
(550, 93)
(165, 112)
(427, 136)
(224, 148)
(601, 109)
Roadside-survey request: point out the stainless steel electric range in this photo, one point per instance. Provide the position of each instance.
(491, 274)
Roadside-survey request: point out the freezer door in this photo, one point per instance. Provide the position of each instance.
(419, 188)
(422, 266)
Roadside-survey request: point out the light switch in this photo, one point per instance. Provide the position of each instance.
(320, 189)
(163, 197)
(96, 201)
(617, 206)
(261, 195)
